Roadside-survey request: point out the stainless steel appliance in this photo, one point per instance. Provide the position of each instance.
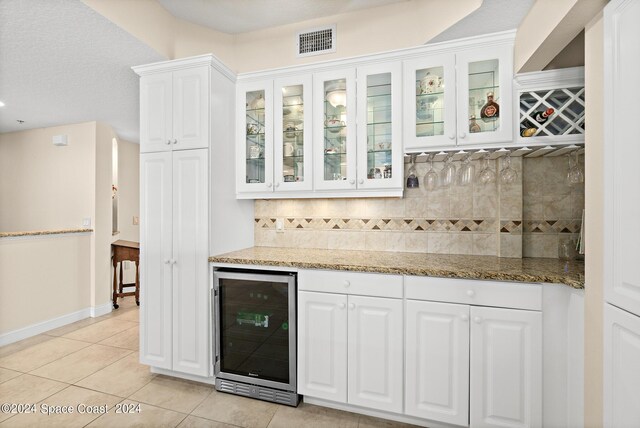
(255, 334)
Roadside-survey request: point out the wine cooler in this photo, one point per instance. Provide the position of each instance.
(255, 334)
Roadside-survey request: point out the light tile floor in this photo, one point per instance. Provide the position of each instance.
(94, 362)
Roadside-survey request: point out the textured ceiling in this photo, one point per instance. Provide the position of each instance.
(61, 62)
(239, 16)
(492, 16)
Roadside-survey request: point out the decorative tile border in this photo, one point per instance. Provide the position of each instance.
(552, 226)
(513, 227)
(377, 224)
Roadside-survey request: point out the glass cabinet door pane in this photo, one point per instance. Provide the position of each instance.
(293, 133)
(484, 96)
(255, 137)
(430, 102)
(379, 135)
(335, 130)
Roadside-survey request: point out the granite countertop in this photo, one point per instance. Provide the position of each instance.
(43, 232)
(440, 265)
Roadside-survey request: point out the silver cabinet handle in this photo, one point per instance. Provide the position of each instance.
(175, 141)
(168, 142)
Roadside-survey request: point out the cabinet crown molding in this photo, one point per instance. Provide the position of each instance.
(183, 63)
(560, 78)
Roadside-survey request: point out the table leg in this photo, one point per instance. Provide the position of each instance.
(121, 263)
(115, 284)
(137, 283)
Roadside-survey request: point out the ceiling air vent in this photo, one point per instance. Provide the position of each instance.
(316, 41)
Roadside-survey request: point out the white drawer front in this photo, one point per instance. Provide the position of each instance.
(363, 284)
(475, 292)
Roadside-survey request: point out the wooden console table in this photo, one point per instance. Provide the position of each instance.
(125, 250)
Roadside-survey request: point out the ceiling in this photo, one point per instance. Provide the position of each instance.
(61, 62)
(240, 16)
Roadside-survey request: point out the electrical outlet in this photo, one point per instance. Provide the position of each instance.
(280, 225)
(136, 220)
(86, 222)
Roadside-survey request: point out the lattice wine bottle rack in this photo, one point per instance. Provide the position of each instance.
(568, 119)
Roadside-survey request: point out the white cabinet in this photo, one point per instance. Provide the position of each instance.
(437, 361)
(254, 130)
(322, 345)
(350, 349)
(174, 110)
(505, 368)
(334, 129)
(621, 368)
(173, 266)
(459, 98)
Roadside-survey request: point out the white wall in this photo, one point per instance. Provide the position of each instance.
(128, 190)
(43, 186)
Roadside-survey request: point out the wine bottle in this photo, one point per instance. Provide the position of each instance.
(474, 126)
(491, 110)
(542, 116)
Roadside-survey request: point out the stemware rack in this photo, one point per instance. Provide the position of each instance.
(495, 153)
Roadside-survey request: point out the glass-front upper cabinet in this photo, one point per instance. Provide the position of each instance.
(334, 130)
(255, 146)
(430, 103)
(379, 131)
(292, 134)
(485, 95)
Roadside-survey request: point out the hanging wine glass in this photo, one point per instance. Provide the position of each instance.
(412, 174)
(467, 172)
(487, 175)
(575, 176)
(431, 177)
(508, 175)
(448, 173)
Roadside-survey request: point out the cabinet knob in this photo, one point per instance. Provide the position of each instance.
(463, 135)
(277, 183)
(361, 181)
(352, 181)
(477, 320)
(172, 261)
(452, 136)
(269, 185)
(168, 142)
(342, 306)
(352, 305)
(175, 141)
(464, 317)
(167, 261)
(471, 293)
(346, 283)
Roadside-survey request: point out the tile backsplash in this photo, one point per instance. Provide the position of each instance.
(526, 218)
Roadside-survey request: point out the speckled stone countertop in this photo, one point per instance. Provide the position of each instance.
(43, 232)
(440, 265)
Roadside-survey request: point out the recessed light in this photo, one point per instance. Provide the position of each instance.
(20, 121)
(1, 104)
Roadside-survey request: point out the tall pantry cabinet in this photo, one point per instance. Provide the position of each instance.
(176, 108)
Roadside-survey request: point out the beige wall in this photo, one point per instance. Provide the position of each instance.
(128, 190)
(102, 236)
(43, 186)
(42, 278)
(594, 64)
(360, 32)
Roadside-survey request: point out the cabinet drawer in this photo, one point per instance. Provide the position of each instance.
(364, 284)
(475, 292)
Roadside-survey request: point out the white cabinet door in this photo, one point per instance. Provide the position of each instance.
(190, 267)
(379, 131)
(437, 361)
(506, 368)
(429, 102)
(334, 130)
(156, 132)
(621, 368)
(322, 345)
(191, 108)
(622, 175)
(155, 259)
(480, 74)
(292, 137)
(254, 131)
(375, 353)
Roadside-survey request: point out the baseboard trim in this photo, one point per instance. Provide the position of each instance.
(44, 326)
(208, 380)
(98, 311)
(377, 413)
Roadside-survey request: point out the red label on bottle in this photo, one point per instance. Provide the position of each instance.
(490, 111)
